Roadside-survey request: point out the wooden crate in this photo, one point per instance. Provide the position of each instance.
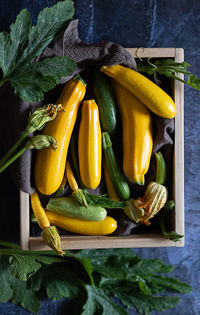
(141, 240)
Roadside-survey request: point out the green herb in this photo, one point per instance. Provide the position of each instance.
(173, 236)
(103, 201)
(91, 277)
(25, 42)
(169, 68)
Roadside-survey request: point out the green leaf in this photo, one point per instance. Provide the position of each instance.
(61, 282)
(48, 260)
(23, 267)
(57, 67)
(171, 283)
(16, 290)
(31, 80)
(11, 45)
(103, 201)
(87, 265)
(130, 296)
(6, 291)
(174, 236)
(109, 263)
(25, 297)
(50, 22)
(99, 303)
(41, 77)
(150, 266)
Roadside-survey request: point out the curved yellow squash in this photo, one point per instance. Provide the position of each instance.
(85, 227)
(144, 89)
(137, 134)
(90, 145)
(49, 164)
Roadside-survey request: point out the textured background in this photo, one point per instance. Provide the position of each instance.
(132, 23)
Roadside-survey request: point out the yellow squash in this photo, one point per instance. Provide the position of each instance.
(49, 164)
(137, 134)
(85, 227)
(49, 233)
(144, 89)
(89, 145)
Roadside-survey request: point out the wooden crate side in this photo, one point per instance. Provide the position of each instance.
(179, 152)
(89, 242)
(152, 52)
(24, 220)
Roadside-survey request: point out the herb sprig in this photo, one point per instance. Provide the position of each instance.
(25, 42)
(91, 277)
(169, 68)
(103, 201)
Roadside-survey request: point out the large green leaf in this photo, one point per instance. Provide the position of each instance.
(99, 303)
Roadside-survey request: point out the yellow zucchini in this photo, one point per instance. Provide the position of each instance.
(89, 145)
(137, 134)
(49, 233)
(144, 89)
(85, 227)
(49, 164)
(39, 212)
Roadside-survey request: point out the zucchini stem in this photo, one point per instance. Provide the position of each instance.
(173, 236)
(12, 159)
(13, 148)
(38, 142)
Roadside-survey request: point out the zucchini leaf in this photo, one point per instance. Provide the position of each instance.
(25, 42)
(169, 68)
(100, 303)
(93, 278)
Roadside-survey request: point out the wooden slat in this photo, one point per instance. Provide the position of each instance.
(24, 220)
(153, 52)
(179, 151)
(88, 242)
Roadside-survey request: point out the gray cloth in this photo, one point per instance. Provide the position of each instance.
(14, 112)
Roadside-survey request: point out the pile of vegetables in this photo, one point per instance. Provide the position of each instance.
(118, 91)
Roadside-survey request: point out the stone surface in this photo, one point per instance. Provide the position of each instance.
(133, 23)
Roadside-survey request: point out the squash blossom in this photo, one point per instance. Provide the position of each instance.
(145, 208)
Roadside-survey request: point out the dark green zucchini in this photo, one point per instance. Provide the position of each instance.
(116, 175)
(105, 100)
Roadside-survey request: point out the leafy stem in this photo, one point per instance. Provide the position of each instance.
(14, 147)
(168, 68)
(38, 142)
(173, 236)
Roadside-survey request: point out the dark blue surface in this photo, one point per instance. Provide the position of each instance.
(133, 23)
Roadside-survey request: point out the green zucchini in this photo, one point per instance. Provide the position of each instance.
(161, 168)
(69, 207)
(105, 100)
(116, 175)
